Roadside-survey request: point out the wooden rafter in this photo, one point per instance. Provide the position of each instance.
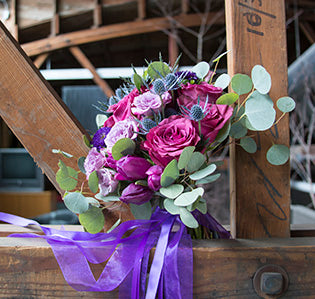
(97, 14)
(308, 31)
(141, 9)
(40, 59)
(86, 63)
(110, 32)
(55, 21)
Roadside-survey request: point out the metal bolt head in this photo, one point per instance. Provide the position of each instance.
(271, 283)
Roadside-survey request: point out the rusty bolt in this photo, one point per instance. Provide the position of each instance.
(271, 283)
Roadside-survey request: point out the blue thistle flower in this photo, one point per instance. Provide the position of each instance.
(196, 112)
(148, 124)
(159, 87)
(171, 81)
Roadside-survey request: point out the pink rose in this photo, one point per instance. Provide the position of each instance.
(121, 110)
(144, 103)
(94, 161)
(191, 92)
(106, 181)
(167, 140)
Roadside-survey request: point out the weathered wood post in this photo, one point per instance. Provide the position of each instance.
(260, 193)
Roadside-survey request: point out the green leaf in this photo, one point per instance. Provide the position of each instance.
(202, 207)
(286, 104)
(187, 218)
(208, 179)
(66, 177)
(100, 119)
(185, 157)
(227, 99)
(108, 198)
(241, 84)
(247, 124)
(170, 207)
(93, 220)
(220, 56)
(249, 145)
(196, 161)
(143, 211)
(137, 80)
(86, 141)
(223, 81)
(93, 182)
(238, 130)
(123, 147)
(170, 174)
(259, 111)
(201, 69)
(81, 161)
(187, 198)
(200, 174)
(278, 154)
(261, 79)
(224, 132)
(172, 191)
(93, 201)
(157, 69)
(76, 202)
(142, 183)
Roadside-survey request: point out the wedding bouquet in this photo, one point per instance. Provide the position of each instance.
(155, 151)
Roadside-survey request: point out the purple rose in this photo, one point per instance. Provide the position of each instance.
(106, 181)
(132, 168)
(167, 140)
(94, 161)
(136, 194)
(191, 92)
(154, 177)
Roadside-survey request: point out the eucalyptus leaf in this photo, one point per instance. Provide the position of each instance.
(201, 69)
(100, 119)
(185, 156)
(238, 130)
(137, 80)
(261, 79)
(187, 218)
(227, 99)
(196, 161)
(202, 207)
(81, 161)
(108, 198)
(224, 132)
(223, 81)
(286, 104)
(93, 182)
(249, 145)
(92, 201)
(170, 207)
(202, 173)
(187, 198)
(259, 111)
(241, 84)
(93, 220)
(172, 191)
(143, 211)
(67, 178)
(158, 69)
(86, 141)
(278, 154)
(208, 179)
(170, 174)
(123, 147)
(76, 202)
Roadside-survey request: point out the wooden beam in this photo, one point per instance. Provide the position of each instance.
(55, 21)
(222, 268)
(40, 59)
(308, 31)
(33, 110)
(172, 48)
(97, 14)
(184, 6)
(111, 31)
(260, 193)
(141, 9)
(86, 63)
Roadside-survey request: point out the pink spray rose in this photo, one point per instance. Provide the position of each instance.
(143, 103)
(154, 177)
(191, 92)
(106, 181)
(94, 161)
(167, 140)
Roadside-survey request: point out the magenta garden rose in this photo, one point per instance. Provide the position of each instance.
(167, 140)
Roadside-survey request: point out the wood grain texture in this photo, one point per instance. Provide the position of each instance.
(33, 110)
(222, 268)
(260, 193)
(111, 31)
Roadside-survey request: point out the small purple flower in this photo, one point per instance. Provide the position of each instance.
(94, 161)
(99, 137)
(187, 75)
(136, 194)
(122, 129)
(132, 168)
(106, 182)
(154, 177)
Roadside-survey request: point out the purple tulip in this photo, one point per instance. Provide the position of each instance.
(132, 168)
(154, 177)
(136, 194)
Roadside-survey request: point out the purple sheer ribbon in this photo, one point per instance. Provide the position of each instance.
(170, 275)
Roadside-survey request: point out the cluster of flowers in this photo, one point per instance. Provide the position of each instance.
(153, 150)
